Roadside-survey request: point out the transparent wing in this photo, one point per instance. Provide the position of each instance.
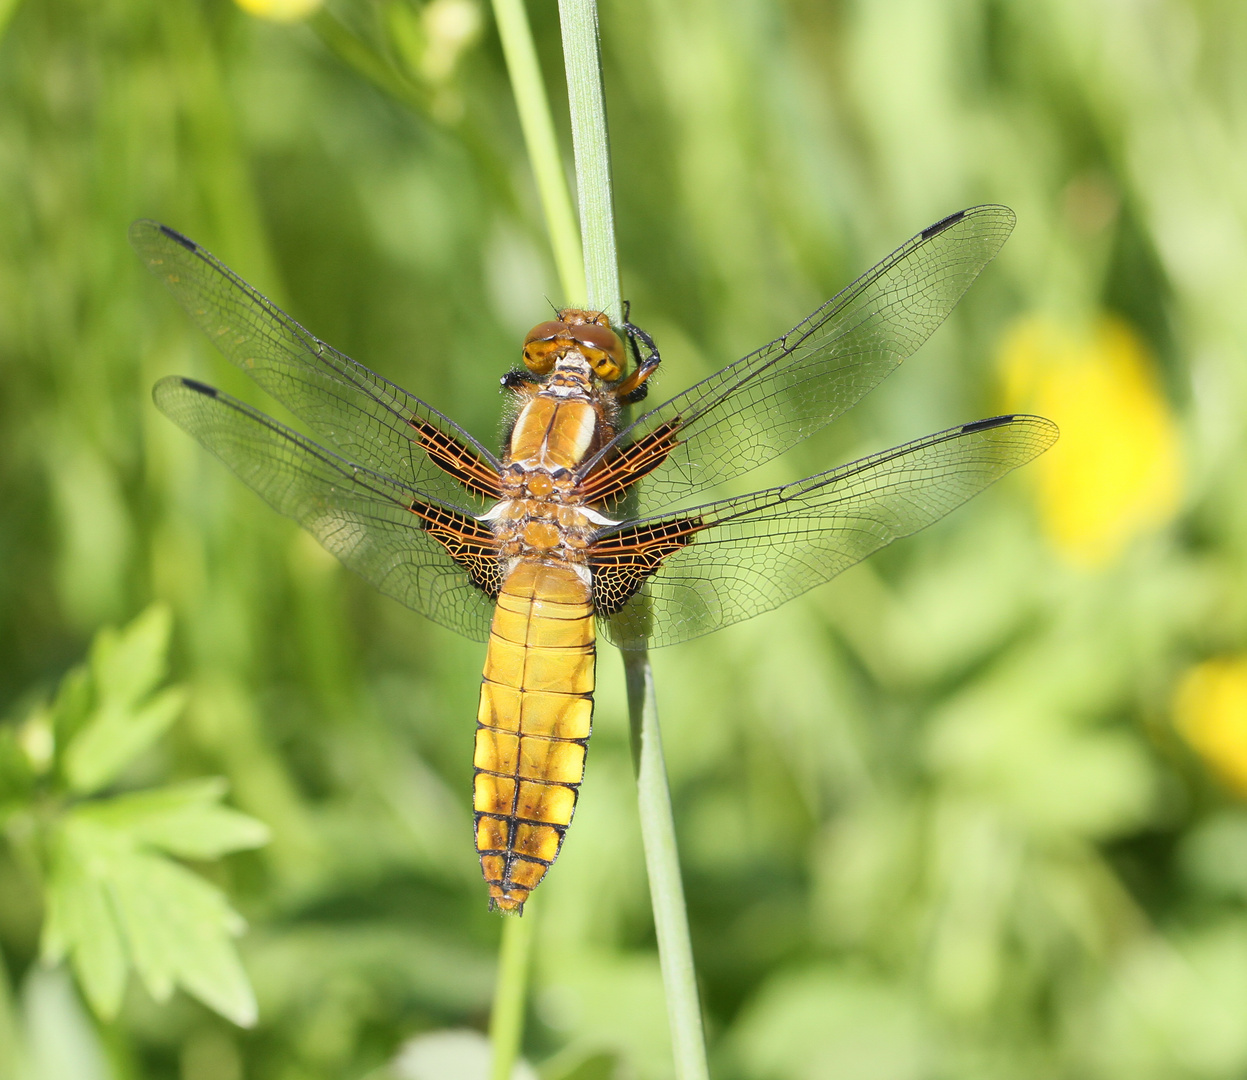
(761, 405)
(362, 517)
(365, 417)
(733, 559)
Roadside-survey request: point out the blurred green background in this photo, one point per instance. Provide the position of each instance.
(973, 810)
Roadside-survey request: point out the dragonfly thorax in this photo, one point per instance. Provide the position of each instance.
(558, 426)
(525, 480)
(543, 529)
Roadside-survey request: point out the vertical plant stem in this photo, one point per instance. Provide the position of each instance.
(583, 60)
(506, 1020)
(662, 864)
(543, 149)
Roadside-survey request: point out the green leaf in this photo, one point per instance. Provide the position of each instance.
(81, 923)
(114, 901)
(183, 819)
(72, 707)
(128, 664)
(115, 736)
(178, 929)
(11, 1049)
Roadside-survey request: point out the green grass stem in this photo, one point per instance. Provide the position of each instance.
(506, 1020)
(583, 60)
(543, 148)
(662, 863)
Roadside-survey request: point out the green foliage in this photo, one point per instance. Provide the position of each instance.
(126, 716)
(114, 899)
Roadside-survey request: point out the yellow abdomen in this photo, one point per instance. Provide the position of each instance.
(532, 726)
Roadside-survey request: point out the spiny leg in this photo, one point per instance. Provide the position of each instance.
(634, 388)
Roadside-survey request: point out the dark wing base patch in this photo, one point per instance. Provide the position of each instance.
(471, 544)
(622, 561)
(456, 460)
(616, 474)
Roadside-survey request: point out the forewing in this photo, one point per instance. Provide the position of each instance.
(761, 405)
(362, 517)
(366, 417)
(734, 559)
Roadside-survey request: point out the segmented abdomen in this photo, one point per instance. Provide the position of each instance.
(532, 726)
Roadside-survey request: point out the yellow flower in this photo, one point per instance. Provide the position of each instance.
(450, 27)
(280, 10)
(1210, 710)
(1116, 471)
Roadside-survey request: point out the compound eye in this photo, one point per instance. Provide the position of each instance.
(602, 348)
(543, 344)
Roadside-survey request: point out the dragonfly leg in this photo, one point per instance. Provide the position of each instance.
(516, 378)
(634, 388)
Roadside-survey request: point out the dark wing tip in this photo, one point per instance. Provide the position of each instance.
(993, 210)
(198, 387)
(171, 384)
(988, 424)
(942, 224)
(176, 236)
(1042, 431)
(141, 231)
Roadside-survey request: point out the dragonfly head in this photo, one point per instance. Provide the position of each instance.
(587, 333)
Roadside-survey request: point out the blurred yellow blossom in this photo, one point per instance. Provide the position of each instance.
(280, 10)
(450, 27)
(1210, 709)
(1116, 471)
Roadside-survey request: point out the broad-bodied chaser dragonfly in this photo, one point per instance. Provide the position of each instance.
(582, 523)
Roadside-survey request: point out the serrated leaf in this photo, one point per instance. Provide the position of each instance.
(149, 918)
(179, 928)
(128, 811)
(114, 902)
(116, 735)
(74, 699)
(128, 664)
(81, 923)
(212, 972)
(183, 819)
(205, 832)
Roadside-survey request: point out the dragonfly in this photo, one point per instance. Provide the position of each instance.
(586, 523)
